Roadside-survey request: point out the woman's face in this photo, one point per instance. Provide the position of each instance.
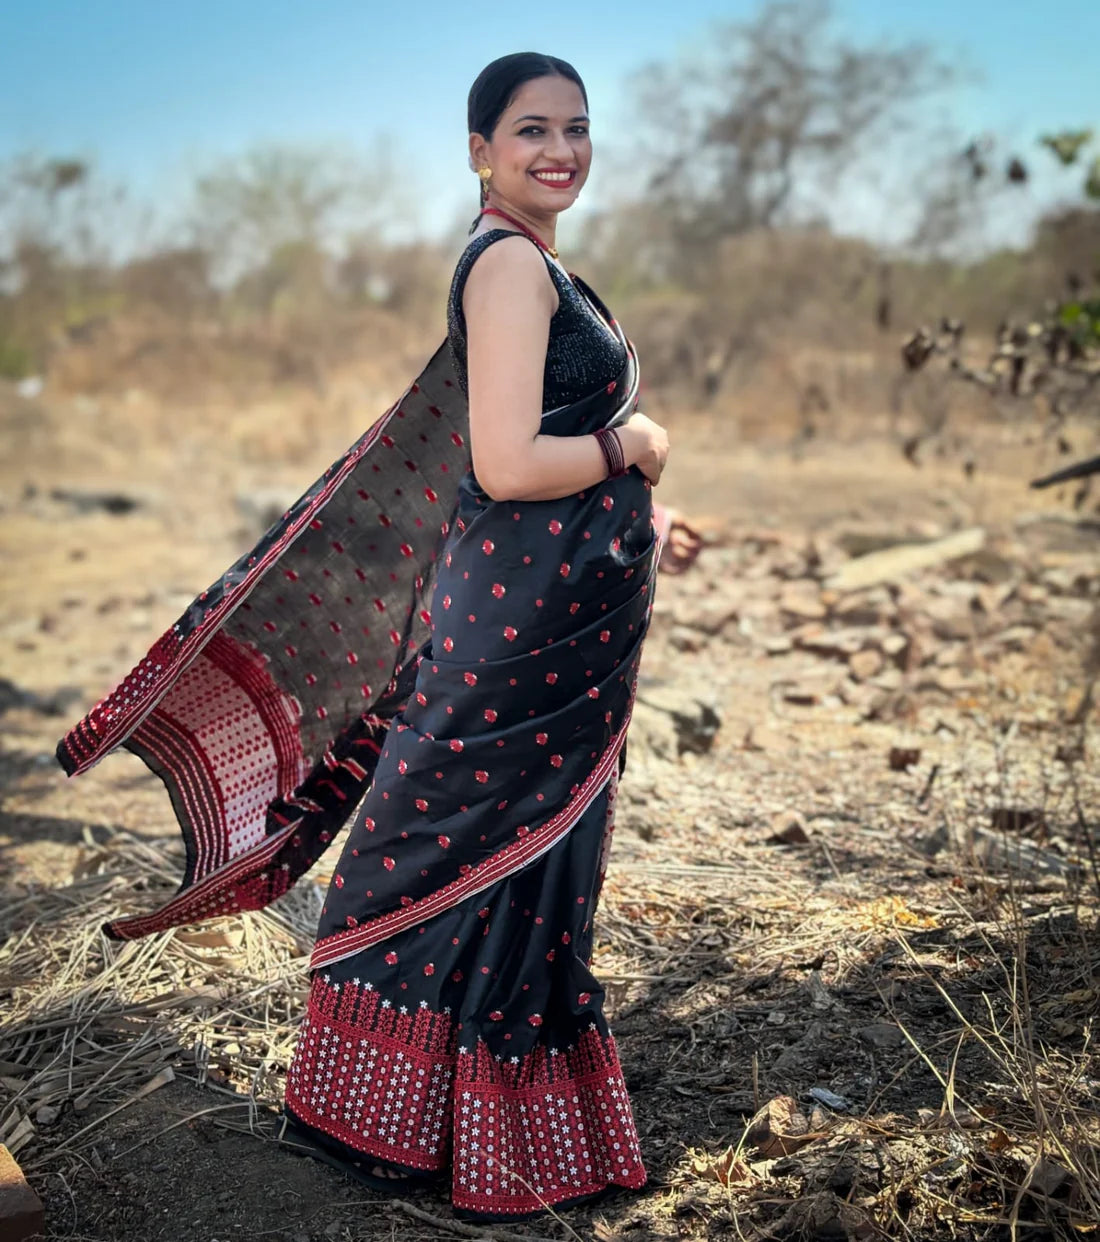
(540, 151)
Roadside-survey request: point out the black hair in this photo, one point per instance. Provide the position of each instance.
(496, 85)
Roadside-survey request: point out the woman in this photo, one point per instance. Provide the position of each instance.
(454, 1025)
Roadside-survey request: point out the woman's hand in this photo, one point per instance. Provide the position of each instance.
(645, 445)
(681, 542)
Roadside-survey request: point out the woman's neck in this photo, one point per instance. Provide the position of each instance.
(543, 226)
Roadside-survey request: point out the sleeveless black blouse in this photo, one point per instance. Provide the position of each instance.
(582, 353)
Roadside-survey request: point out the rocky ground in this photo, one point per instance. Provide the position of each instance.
(850, 930)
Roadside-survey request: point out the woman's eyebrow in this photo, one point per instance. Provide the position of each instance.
(572, 120)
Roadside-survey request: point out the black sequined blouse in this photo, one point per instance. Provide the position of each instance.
(582, 354)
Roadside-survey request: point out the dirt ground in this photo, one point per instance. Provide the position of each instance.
(863, 911)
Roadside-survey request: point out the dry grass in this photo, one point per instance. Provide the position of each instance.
(95, 1024)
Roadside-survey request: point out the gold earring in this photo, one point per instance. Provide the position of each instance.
(486, 175)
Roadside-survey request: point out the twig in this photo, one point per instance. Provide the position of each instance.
(162, 1079)
(203, 1112)
(926, 792)
(461, 1228)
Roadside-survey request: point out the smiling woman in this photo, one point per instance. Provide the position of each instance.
(440, 642)
(512, 734)
(539, 139)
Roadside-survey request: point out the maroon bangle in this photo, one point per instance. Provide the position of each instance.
(612, 448)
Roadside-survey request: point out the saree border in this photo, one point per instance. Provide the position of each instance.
(193, 903)
(404, 1085)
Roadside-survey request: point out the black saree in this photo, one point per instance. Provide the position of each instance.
(463, 670)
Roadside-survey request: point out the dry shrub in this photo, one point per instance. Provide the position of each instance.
(178, 362)
(780, 331)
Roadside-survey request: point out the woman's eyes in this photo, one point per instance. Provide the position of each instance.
(580, 130)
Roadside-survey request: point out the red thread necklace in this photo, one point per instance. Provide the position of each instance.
(496, 211)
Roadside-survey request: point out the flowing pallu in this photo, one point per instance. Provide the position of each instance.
(462, 671)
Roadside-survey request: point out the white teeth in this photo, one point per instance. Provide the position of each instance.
(549, 176)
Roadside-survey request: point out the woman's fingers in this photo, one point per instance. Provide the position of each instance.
(682, 546)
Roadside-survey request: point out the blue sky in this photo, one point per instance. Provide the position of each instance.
(155, 90)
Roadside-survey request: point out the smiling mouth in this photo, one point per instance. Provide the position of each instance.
(564, 177)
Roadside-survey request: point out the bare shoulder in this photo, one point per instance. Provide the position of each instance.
(513, 269)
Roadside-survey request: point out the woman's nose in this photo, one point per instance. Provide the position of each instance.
(557, 146)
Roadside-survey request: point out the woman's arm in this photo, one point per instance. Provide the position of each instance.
(508, 302)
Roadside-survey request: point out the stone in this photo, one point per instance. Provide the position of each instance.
(992, 566)
(992, 595)
(840, 644)
(864, 607)
(801, 598)
(894, 647)
(822, 1095)
(881, 1036)
(902, 758)
(910, 597)
(860, 541)
(30, 387)
(894, 563)
(1075, 612)
(652, 733)
(755, 609)
(710, 615)
(889, 679)
(760, 737)
(808, 632)
(950, 681)
(858, 695)
(949, 656)
(1016, 637)
(789, 828)
(1071, 579)
(803, 694)
(696, 722)
(865, 664)
(89, 501)
(1047, 1178)
(681, 638)
(1031, 593)
(21, 1212)
(779, 1129)
(951, 618)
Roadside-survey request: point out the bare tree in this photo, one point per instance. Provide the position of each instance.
(778, 104)
(1071, 145)
(1049, 362)
(251, 208)
(749, 136)
(60, 227)
(1051, 358)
